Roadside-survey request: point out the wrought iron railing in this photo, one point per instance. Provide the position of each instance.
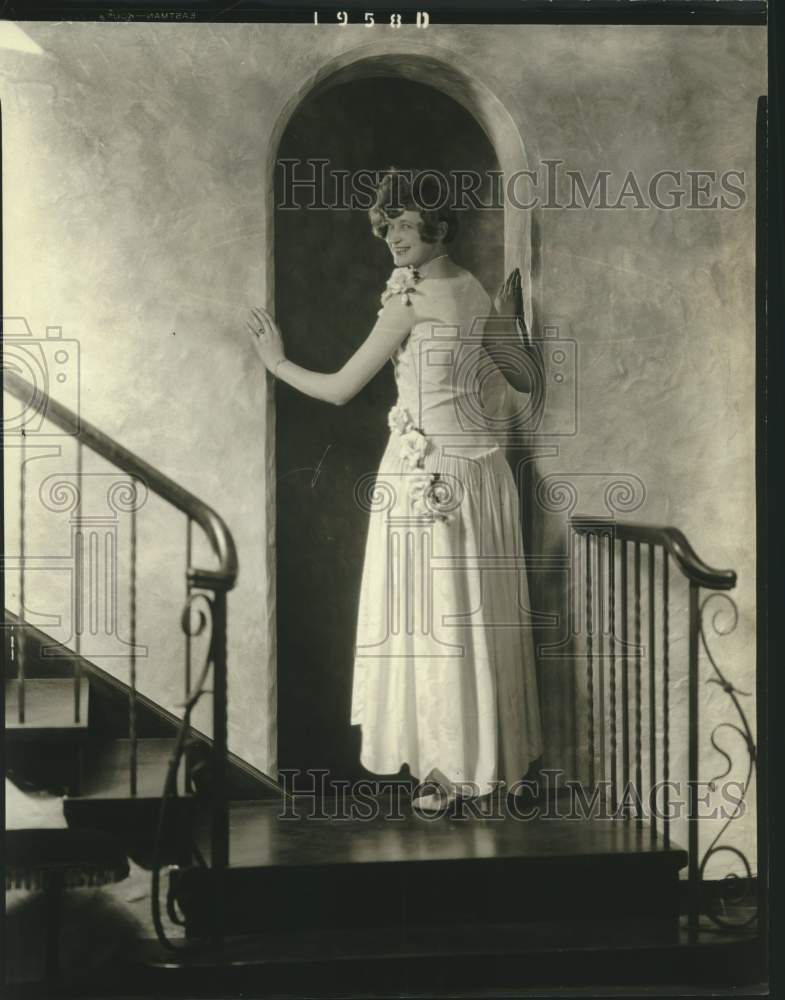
(624, 606)
(206, 589)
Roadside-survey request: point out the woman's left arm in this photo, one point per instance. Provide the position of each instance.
(390, 330)
(507, 340)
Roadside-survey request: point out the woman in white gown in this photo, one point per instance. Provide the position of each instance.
(444, 671)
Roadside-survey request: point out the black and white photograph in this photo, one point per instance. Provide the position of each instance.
(387, 476)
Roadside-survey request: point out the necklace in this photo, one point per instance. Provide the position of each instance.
(440, 257)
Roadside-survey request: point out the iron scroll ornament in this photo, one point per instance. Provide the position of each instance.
(192, 628)
(717, 904)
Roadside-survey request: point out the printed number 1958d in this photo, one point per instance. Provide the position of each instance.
(421, 19)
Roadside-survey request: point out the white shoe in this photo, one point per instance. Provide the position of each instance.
(433, 801)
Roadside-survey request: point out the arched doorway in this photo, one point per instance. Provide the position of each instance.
(328, 274)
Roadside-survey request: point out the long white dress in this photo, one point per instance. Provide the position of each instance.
(444, 670)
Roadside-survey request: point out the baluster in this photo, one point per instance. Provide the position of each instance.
(665, 699)
(589, 654)
(188, 562)
(693, 872)
(625, 669)
(132, 695)
(601, 601)
(576, 631)
(78, 580)
(652, 697)
(219, 822)
(20, 662)
(638, 742)
(612, 645)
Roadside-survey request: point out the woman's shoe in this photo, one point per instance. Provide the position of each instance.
(433, 802)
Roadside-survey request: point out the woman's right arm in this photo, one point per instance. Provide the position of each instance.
(390, 330)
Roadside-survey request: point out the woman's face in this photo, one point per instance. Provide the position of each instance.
(407, 246)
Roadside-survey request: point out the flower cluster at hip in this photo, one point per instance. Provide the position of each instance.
(429, 495)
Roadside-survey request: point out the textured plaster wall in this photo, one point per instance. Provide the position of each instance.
(136, 195)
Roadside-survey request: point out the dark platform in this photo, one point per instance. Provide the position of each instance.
(440, 906)
(291, 870)
(306, 832)
(468, 960)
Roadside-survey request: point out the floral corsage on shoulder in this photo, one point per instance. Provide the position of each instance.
(402, 281)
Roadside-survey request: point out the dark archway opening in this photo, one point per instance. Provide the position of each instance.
(329, 273)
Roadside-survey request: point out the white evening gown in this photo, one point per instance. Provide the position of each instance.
(444, 670)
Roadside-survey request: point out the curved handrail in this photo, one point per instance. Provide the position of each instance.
(209, 521)
(691, 565)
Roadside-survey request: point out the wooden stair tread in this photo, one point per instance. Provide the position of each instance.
(436, 871)
(260, 839)
(107, 770)
(49, 707)
(470, 959)
(480, 939)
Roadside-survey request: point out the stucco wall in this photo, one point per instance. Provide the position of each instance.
(136, 190)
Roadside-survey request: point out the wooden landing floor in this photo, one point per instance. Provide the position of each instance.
(302, 833)
(399, 867)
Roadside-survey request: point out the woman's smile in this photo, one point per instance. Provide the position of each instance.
(405, 241)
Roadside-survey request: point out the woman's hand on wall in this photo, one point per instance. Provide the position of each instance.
(507, 340)
(267, 338)
(508, 302)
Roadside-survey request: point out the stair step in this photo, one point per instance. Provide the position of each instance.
(303, 832)
(106, 803)
(107, 769)
(339, 944)
(49, 709)
(109, 707)
(473, 959)
(380, 871)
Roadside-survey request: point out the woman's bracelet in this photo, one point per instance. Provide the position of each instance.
(277, 366)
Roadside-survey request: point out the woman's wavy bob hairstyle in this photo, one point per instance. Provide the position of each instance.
(423, 191)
